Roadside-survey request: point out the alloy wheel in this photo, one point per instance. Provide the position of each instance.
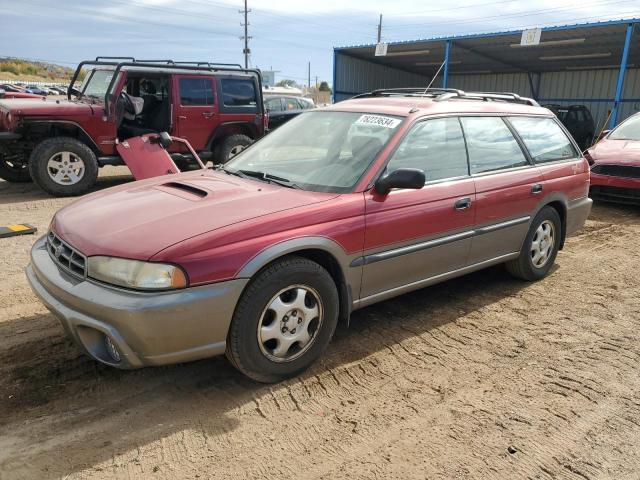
(65, 168)
(289, 323)
(542, 244)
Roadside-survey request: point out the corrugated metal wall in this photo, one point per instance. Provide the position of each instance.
(353, 76)
(593, 88)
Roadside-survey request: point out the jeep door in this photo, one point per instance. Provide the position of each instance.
(413, 235)
(195, 108)
(508, 187)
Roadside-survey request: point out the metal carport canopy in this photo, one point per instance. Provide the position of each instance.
(563, 48)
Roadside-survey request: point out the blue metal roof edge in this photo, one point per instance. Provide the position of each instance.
(497, 34)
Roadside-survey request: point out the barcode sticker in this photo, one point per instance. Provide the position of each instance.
(379, 120)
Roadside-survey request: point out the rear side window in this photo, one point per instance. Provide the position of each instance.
(491, 145)
(544, 139)
(196, 92)
(237, 92)
(434, 146)
(273, 104)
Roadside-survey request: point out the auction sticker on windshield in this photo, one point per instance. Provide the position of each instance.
(379, 120)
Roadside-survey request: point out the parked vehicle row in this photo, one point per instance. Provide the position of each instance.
(337, 209)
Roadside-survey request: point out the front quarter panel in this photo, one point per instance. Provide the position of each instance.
(241, 250)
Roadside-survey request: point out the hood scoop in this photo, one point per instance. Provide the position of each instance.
(183, 190)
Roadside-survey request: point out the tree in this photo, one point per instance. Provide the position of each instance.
(287, 82)
(324, 87)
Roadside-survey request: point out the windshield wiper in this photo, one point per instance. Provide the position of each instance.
(267, 177)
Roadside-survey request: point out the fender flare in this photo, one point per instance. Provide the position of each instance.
(91, 142)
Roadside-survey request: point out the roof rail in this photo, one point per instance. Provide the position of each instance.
(444, 94)
(99, 59)
(408, 92)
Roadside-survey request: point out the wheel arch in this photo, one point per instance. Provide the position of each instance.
(320, 250)
(44, 129)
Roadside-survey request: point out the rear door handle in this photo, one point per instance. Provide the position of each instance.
(207, 114)
(462, 204)
(537, 188)
(181, 117)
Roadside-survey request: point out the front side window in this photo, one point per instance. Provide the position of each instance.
(291, 104)
(434, 146)
(627, 130)
(237, 92)
(196, 92)
(544, 139)
(318, 151)
(491, 145)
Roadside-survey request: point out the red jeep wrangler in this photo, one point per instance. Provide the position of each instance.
(218, 108)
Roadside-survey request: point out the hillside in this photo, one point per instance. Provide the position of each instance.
(25, 70)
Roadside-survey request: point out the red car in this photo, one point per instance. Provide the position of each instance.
(339, 208)
(615, 164)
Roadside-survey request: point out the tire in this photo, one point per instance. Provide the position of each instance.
(526, 266)
(14, 171)
(231, 146)
(66, 159)
(257, 343)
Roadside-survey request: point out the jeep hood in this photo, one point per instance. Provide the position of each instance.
(139, 219)
(33, 107)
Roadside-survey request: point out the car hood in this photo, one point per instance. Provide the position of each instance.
(32, 107)
(618, 152)
(139, 219)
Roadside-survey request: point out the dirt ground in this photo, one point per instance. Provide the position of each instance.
(479, 377)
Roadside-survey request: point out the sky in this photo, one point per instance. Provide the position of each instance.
(286, 35)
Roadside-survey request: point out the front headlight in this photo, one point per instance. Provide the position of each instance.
(136, 274)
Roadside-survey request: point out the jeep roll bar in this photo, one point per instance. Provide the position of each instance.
(167, 64)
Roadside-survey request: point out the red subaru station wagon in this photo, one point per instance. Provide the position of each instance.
(338, 209)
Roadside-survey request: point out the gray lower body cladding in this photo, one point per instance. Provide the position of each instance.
(147, 328)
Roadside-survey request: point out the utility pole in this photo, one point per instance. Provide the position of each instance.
(246, 51)
(309, 76)
(316, 81)
(380, 29)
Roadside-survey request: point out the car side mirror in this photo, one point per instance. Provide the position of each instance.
(163, 139)
(401, 178)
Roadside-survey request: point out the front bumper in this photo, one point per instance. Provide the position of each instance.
(155, 328)
(615, 189)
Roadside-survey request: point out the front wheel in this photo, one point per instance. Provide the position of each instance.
(14, 169)
(540, 247)
(283, 321)
(63, 166)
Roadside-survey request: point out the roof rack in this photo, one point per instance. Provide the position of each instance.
(444, 94)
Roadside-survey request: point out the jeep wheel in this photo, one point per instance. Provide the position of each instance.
(63, 166)
(231, 146)
(540, 247)
(13, 169)
(283, 321)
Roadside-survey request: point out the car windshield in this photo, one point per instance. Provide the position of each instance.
(96, 83)
(319, 151)
(627, 130)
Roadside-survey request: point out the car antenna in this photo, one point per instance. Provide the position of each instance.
(415, 108)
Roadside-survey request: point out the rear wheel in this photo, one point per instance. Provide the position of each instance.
(14, 168)
(231, 146)
(540, 247)
(63, 166)
(283, 321)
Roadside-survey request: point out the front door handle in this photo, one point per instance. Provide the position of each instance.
(462, 204)
(537, 188)
(182, 117)
(207, 114)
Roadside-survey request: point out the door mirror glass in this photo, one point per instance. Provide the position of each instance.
(401, 178)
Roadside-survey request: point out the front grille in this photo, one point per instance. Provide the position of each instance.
(628, 171)
(66, 256)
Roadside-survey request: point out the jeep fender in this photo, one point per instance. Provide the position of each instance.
(232, 128)
(67, 128)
